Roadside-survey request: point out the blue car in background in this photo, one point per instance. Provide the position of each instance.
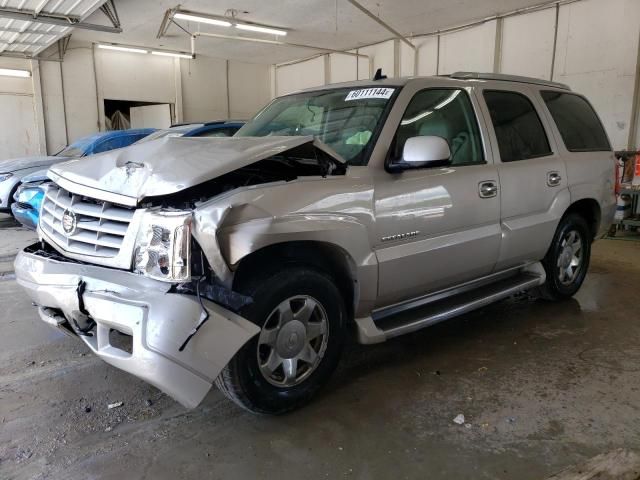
(28, 195)
(222, 128)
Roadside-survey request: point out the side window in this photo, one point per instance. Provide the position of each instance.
(517, 125)
(577, 122)
(445, 113)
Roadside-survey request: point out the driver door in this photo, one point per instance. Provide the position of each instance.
(440, 226)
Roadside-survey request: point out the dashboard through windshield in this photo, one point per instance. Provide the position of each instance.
(346, 119)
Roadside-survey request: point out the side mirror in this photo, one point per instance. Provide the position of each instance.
(424, 151)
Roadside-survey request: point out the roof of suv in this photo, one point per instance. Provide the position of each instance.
(458, 77)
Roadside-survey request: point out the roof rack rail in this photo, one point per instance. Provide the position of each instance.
(507, 78)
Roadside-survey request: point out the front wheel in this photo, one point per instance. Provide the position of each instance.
(567, 260)
(302, 319)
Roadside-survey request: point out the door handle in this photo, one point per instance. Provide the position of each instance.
(553, 179)
(488, 189)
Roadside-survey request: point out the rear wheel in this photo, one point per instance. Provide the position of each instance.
(302, 319)
(567, 260)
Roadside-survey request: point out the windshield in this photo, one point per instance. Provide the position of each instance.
(73, 150)
(170, 132)
(346, 119)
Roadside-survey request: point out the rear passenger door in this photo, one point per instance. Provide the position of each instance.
(533, 177)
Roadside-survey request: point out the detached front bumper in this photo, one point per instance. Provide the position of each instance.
(157, 322)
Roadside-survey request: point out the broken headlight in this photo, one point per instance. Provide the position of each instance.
(163, 246)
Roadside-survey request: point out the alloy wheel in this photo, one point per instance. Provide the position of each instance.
(570, 258)
(292, 341)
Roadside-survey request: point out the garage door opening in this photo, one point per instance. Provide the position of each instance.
(123, 114)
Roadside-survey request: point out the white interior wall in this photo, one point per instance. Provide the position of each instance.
(306, 74)
(80, 94)
(53, 103)
(197, 88)
(343, 68)
(204, 89)
(427, 56)
(596, 54)
(334, 68)
(407, 60)
(135, 77)
(15, 85)
(364, 66)
(249, 89)
(527, 44)
(382, 55)
(19, 135)
(469, 50)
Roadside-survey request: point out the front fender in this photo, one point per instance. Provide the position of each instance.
(334, 211)
(344, 232)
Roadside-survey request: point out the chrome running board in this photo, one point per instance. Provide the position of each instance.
(394, 321)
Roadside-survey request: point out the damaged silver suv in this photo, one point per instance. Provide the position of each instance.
(370, 209)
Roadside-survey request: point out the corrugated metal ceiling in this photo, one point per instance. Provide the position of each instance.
(31, 37)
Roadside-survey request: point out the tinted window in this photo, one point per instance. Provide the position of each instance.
(444, 113)
(577, 122)
(517, 125)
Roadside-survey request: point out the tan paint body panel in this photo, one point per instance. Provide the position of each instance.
(530, 208)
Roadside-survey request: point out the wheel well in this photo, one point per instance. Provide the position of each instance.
(588, 209)
(323, 256)
(11, 194)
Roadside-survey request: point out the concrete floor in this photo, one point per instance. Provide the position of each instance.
(541, 385)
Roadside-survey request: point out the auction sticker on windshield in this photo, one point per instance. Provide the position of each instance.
(369, 93)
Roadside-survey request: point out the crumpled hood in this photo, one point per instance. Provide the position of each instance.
(36, 161)
(169, 165)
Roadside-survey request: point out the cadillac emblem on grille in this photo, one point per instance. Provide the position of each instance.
(69, 222)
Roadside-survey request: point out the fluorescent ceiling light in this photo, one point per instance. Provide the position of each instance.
(9, 72)
(256, 28)
(171, 54)
(122, 49)
(198, 18)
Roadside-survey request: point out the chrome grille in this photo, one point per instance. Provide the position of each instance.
(100, 226)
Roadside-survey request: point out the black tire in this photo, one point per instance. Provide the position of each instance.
(554, 288)
(242, 380)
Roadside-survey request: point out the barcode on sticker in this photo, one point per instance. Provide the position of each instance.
(369, 93)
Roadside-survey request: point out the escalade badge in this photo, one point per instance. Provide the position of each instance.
(401, 236)
(69, 222)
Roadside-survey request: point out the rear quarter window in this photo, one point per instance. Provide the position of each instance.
(577, 122)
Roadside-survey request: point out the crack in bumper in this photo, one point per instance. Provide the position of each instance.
(157, 321)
